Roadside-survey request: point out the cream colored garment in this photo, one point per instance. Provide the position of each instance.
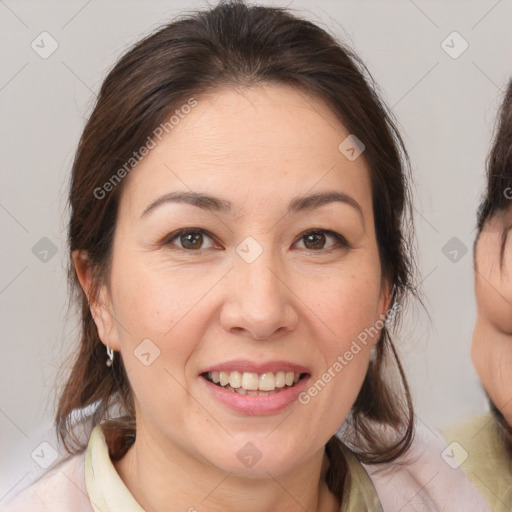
(108, 493)
(362, 494)
(421, 480)
(483, 457)
(88, 482)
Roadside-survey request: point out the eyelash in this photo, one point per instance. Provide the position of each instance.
(340, 241)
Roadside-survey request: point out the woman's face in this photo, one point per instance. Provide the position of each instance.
(492, 337)
(243, 290)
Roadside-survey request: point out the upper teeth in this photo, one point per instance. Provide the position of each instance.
(253, 381)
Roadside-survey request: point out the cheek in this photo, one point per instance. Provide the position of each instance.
(494, 300)
(491, 355)
(158, 333)
(493, 281)
(153, 299)
(351, 323)
(350, 305)
(480, 356)
(158, 330)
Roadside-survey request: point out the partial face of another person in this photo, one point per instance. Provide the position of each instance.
(492, 336)
(255, 284)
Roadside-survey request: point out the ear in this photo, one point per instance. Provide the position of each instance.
(101, 306)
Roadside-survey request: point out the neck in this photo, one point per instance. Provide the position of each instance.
(158, 474)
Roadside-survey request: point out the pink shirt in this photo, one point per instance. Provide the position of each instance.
(423, 480)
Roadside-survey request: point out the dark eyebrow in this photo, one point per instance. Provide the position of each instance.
(301, 203)
(211, 203)
(202, 201)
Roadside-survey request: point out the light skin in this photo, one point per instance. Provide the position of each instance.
(491, 349)
(301, 300)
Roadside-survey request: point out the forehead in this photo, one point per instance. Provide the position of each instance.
(271, 141)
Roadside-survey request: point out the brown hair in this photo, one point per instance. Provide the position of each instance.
(235, 45)
(499, 165)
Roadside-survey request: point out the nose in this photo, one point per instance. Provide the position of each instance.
(260, 299)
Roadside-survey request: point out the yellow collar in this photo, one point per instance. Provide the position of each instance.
(108, 493)
(106, 490)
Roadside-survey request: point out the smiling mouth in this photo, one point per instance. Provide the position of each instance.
(255, 384)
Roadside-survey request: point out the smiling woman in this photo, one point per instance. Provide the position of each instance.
(252, 256)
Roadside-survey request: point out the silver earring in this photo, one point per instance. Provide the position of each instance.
(373, 354)
(110, 353)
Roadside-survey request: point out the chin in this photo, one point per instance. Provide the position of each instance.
(256, 460)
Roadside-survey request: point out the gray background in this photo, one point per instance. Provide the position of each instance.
(445, 107)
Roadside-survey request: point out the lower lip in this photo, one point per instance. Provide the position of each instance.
(256, 405)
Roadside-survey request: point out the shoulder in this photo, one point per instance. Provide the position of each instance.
(62, 488)
(425, 478)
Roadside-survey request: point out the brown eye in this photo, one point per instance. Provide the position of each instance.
(191, 240)
(188, 239)
(315, 240)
